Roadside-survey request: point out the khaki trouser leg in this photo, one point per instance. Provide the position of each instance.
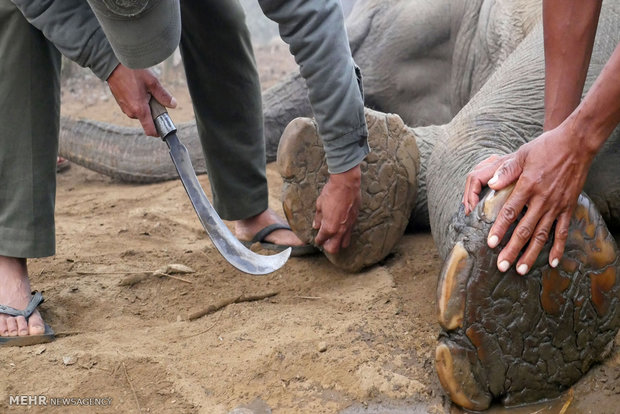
(29, 123)
(225, 90)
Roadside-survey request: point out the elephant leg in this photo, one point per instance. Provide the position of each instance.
(389, 186)
(517, 338)
(281, 104)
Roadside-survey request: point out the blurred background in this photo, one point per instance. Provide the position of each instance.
(86, 96)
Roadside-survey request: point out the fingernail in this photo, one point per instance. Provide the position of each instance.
(555, 262)
(493, 241)
(522, 269)
(493, 180)
(503, 265)
(173, 102)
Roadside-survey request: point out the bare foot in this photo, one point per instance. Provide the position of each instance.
(247, 228)
(15, 292)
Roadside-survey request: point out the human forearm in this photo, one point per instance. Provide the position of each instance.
(316, 34)
(558, 159)
(569, 31)
(599, 113)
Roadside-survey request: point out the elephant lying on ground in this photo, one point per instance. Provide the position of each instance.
(565, 319)
(422, 60)
(504, 336)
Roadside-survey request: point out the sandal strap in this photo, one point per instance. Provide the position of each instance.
(260, 236)
(35, 301)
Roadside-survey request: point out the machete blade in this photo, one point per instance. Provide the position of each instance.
(226, 243)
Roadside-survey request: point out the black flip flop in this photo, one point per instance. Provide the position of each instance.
(259, 237)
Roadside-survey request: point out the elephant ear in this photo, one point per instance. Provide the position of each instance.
(389, 186)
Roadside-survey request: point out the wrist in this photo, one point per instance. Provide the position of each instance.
(351, 177)
(585, 131)
(112, 73)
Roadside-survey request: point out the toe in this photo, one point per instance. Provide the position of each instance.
(4, 330)
(456, 374)
(11, 325)
(35, 324)
(22, 326)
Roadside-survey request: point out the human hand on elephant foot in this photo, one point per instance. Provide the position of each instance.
(389, 186)
(521, 339)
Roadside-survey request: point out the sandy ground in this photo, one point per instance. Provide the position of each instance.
(323, 341)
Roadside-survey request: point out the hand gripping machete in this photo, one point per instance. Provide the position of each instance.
(226, 243)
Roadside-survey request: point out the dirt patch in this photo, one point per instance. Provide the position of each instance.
(326, 341)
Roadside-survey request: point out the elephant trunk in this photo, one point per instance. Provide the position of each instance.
(128, 155)
(124, 153)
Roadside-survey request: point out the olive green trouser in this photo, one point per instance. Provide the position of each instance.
(29, 118)
(225, 90)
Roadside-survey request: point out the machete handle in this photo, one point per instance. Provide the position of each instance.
(157, 109)
(163, 123)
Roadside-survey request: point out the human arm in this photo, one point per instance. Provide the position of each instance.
(315, 33)
(567, 55)
(569, 31)
(551, 170)
(73, 28)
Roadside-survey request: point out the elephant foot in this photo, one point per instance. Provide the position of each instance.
(521, 339)
(389, 186)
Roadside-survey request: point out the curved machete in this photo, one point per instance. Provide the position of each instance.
(226, 243)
